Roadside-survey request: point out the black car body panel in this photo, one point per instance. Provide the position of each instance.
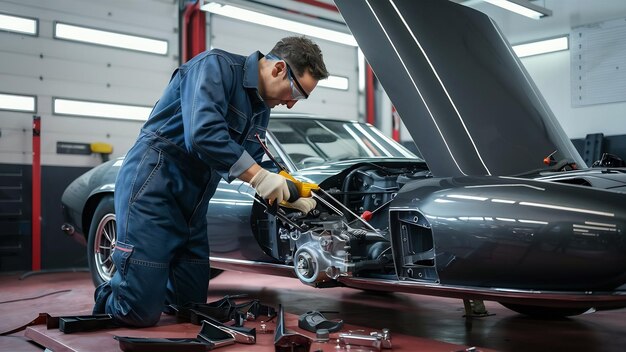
(509, 232)
(466, 99)
(84, 193)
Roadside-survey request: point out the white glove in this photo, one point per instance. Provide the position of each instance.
(270, 186)
(304, 205)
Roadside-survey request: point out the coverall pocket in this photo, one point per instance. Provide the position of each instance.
(121, 256)
(252, 145)
(256, 130)
(147, 168)
(236, 121)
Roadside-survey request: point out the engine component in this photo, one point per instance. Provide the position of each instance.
(333, 240)
(343, 206)
(413, 246)
(324, 256)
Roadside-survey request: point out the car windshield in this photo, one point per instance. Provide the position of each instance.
(310, 142)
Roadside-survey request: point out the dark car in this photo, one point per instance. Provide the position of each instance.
(312, 148)
(503, 208)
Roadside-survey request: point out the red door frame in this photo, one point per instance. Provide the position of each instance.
(193, 31)
(36, 196)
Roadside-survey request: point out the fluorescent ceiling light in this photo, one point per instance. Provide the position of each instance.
(95, 109)
(522, 7)
(334, 82)
(361, 69)
(14, 102)
(18, 24)
(542, 47)
(117, 40)
(279, 23)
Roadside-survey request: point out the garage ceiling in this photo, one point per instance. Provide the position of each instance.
(565, 15)
(321, 13)
(518, 29)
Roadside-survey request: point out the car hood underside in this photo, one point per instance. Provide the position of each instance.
(466, 99)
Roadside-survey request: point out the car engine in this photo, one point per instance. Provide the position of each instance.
(348, 233)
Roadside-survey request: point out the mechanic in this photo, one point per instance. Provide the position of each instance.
(203, 129)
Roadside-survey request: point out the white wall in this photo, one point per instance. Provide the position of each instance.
(341, 60)
(48, 68)
(551, 73)
(51, 68)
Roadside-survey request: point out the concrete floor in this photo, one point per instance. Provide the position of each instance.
(419, 322)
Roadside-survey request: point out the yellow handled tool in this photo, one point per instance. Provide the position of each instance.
(303, 188)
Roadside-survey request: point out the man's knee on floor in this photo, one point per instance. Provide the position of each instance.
(138, 319)
(138, 314)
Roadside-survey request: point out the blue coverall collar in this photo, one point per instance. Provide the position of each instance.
(251, 70)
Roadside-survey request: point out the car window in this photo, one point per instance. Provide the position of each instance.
(310, 142)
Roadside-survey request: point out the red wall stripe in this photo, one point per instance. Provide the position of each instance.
(369, 96)
(193, 31)
(36, 196)
(320, 4)
(395, 127)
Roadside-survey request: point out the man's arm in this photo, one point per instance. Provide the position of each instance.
(205, 93)
(273, 187)
(247, 175)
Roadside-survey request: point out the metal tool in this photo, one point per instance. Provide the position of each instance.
(306, 189)
(320, 190)
(277, 212)
(375, 340)
(288, 341)
(303, 188)
(212, 331)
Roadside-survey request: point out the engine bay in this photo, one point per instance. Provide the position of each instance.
(348, 233)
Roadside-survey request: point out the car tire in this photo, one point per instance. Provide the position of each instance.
(102, 237)
(544, 312)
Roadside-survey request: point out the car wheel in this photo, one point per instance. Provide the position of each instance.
(544, 312)
(102, 237)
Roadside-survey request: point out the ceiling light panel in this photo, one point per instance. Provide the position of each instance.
(14, 102)
(18, 24)
(542, 46)
(108, 38)
(278, 23)
(522, 7)
(98, 109)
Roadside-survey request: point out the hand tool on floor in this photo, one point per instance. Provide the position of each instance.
(374, 341)
(314, 320)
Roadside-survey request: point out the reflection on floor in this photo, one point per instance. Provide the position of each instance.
(416, 322)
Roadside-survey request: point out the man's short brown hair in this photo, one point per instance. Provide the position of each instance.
(302, 54)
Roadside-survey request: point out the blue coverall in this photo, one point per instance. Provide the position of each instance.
(202, 129)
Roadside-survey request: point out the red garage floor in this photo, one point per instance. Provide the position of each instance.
(417, 323)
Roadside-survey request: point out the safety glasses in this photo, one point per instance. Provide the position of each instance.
(297, 92)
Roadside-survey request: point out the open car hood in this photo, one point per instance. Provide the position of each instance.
(465, 97)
